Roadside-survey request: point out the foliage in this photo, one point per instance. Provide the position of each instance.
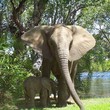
(7, 102)
(12, 71)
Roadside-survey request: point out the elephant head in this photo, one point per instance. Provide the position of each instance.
(62, 43)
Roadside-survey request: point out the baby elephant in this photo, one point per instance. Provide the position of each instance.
(41, 85)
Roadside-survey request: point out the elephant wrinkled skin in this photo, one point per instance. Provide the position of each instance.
(43, 86)
(59, 45)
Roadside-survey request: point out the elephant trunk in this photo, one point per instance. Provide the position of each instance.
(63, 64)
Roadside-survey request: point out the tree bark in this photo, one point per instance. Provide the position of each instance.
(16, 13)
(39, 8)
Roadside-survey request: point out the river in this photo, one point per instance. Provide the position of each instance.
(99, 84)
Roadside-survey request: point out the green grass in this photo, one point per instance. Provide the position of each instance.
(90, 104)
(97, 104)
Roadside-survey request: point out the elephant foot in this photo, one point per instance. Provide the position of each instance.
(43, 105)
(61, 104)
(30, 106)
(70, 100)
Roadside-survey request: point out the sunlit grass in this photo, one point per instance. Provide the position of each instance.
(90, 104)
(97, 104)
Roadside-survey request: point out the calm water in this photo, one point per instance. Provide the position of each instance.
(99, 84)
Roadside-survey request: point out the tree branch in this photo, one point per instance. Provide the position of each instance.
(19, 9)
(39, 8)
(15, 15)
(68, 15)
(55, 14)
(72, 13)
(105, 36)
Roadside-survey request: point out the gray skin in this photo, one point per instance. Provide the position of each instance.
(72, 68)
(59, 45)
(43, 86)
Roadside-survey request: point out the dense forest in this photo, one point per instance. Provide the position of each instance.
(18, 16)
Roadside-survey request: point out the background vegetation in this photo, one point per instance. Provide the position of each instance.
(17, 16)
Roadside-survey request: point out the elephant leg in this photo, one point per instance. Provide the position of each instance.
(29, 98)
(73, 70)
(44, 97)
(26, 99)
(46, 67)
(32, 103)
(48, 98)
(32, 96)
(46, 70)
(62, 92)
(54, 93)
(62, 86)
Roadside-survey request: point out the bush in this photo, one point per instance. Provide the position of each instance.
(6, 101)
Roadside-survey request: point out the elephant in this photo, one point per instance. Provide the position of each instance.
(37, 65)
(60, 45)
(41, 85)
(72, 68)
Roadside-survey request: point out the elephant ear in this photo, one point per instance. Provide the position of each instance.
(37, 38)
(82, 42)
(34, 39)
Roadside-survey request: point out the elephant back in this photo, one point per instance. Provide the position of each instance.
(33, 83)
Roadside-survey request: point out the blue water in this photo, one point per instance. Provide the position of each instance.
(96, 75)
(99, 84)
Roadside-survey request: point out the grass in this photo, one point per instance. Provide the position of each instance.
(90, 104)
(97, 104)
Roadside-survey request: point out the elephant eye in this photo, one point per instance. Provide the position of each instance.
(52, 43)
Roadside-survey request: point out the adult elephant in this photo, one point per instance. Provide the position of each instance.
(59, 45)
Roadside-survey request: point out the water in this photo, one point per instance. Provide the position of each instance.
(99, 84)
